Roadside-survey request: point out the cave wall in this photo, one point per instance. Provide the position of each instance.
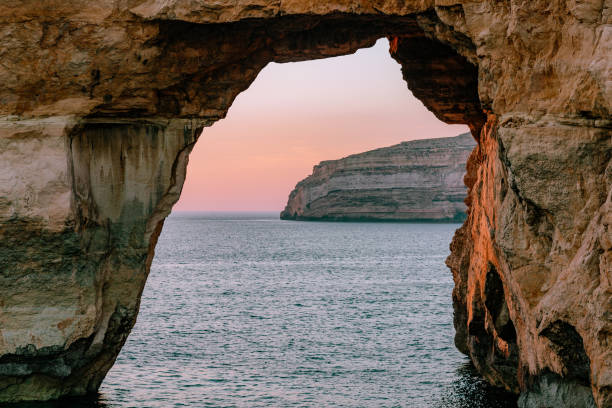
(75, 253)
(101, 104)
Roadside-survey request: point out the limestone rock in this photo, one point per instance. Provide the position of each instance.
(420, 180)
(101, 103)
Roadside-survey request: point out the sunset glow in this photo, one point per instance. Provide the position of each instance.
(294, 116)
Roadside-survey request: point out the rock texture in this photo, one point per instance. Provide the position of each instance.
(420, 180)
(101, 102)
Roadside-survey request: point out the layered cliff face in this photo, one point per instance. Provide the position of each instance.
(101, 104)
(420, 180)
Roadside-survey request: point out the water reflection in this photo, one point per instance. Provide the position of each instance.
(471, 391)
(92, 401)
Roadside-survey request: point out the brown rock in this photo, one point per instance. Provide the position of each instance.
(100, 105)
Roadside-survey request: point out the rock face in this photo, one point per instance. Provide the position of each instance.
(102, 101)
(420, 180)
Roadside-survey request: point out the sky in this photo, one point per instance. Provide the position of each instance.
(296, 115)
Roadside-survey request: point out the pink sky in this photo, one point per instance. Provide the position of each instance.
(294, 116)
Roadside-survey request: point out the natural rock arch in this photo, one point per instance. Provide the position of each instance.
(102, 104)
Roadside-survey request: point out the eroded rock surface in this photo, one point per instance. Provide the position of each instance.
(420, 180)
(101, 103)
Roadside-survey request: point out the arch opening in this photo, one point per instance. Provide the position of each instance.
(72, 268)
(120, 206)
(256, 314)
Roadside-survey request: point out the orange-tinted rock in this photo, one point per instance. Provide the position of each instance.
(101, 103)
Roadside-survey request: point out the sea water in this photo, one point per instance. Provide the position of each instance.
(246, 310)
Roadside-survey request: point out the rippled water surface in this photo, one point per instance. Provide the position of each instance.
(249, 311)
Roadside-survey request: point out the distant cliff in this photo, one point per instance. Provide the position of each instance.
(420, 180)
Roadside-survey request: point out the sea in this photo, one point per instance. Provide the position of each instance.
(246, 310)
